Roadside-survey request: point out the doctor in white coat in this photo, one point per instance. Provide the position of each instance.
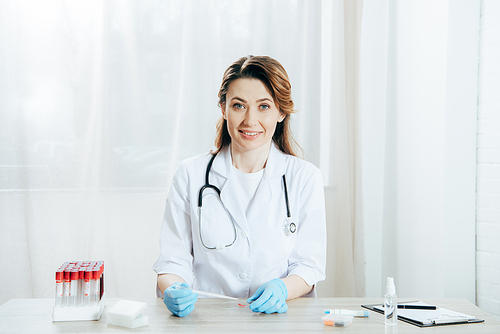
(262, 231)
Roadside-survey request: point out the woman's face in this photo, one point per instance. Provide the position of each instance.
(251, 115)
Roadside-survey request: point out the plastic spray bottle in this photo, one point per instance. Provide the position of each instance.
(390, 303)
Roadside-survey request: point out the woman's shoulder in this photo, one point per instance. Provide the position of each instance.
(296, 164)
(302, 173)
(196, 160)
(193, 164)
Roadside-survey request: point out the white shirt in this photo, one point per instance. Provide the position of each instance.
(248, 183)
(261, 251)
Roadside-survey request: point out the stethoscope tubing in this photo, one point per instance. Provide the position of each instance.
(207, 185)
(288, 214)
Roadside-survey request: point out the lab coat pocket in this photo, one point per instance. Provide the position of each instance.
(216, 227)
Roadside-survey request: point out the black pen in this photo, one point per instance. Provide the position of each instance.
(417, 307)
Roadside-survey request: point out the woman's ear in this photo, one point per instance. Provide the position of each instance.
(223, 109)
(282, 117)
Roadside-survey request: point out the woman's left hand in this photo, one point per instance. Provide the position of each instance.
(270, 297)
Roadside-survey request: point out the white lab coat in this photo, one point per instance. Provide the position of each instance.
(261, 251)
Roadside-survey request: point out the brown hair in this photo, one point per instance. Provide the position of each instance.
(273, 75)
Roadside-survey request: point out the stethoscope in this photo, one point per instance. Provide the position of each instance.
(289, 227)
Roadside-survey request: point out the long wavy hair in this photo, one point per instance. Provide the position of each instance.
(273, 75)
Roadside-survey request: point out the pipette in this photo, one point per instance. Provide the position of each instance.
(208, 294)
(213, 295)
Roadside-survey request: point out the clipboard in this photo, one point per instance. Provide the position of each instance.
(428, 318)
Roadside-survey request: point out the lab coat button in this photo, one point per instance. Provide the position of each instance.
(243, 234)
(243, 275)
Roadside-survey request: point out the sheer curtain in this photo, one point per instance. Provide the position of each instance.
(342, 166)
(100, 101)
(419, 64)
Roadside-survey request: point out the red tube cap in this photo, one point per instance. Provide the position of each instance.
(96, 273)
(75, 274)
(88, 274)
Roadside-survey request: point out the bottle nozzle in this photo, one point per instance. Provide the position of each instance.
(390, 289)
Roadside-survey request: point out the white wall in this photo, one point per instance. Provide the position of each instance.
(488, 161)
(419, 133)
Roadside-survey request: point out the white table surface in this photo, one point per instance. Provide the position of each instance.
(210, 316)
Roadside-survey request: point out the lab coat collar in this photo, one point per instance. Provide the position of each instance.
(276, 163)
(222, 163)
(275, 166)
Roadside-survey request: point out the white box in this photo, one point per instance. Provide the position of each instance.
(126, 313)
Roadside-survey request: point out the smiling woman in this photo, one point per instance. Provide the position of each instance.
(264, 252)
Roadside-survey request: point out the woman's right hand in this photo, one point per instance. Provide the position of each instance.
(179, 299)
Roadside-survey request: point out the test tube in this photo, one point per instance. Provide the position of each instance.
(86, 287)
(59, 287)
(94, 287)
(66, 286)
(73, 292)
(81, 283)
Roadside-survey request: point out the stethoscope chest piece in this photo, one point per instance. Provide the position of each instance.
(289, 227)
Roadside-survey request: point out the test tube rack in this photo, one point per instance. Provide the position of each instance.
(79, 291)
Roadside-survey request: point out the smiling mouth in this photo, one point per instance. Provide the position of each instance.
(250, 133)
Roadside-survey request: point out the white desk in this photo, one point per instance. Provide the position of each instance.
(209, 316)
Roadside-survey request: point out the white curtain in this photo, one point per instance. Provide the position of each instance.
(100, 101)
(340, 104)
(419, 62)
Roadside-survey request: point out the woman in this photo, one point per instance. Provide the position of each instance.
(246, 243)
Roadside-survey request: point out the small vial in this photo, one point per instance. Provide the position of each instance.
(390, 303)
(73, 291)
(66, 287)
(59, 288)
(86, 287)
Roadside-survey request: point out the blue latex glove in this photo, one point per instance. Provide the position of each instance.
(179, 299)
(270, 297)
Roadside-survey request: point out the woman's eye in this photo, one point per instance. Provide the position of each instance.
(265, 107)
(238, 106)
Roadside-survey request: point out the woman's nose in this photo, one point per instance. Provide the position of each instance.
(250, 117)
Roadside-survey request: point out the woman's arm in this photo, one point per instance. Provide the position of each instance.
(296, 286)
(166, 280)
(175, 235)
(308, 257)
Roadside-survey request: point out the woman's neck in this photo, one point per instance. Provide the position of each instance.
(250, 161)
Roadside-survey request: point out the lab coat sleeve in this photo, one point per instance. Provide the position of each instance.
(176, 250)
(308, 258)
